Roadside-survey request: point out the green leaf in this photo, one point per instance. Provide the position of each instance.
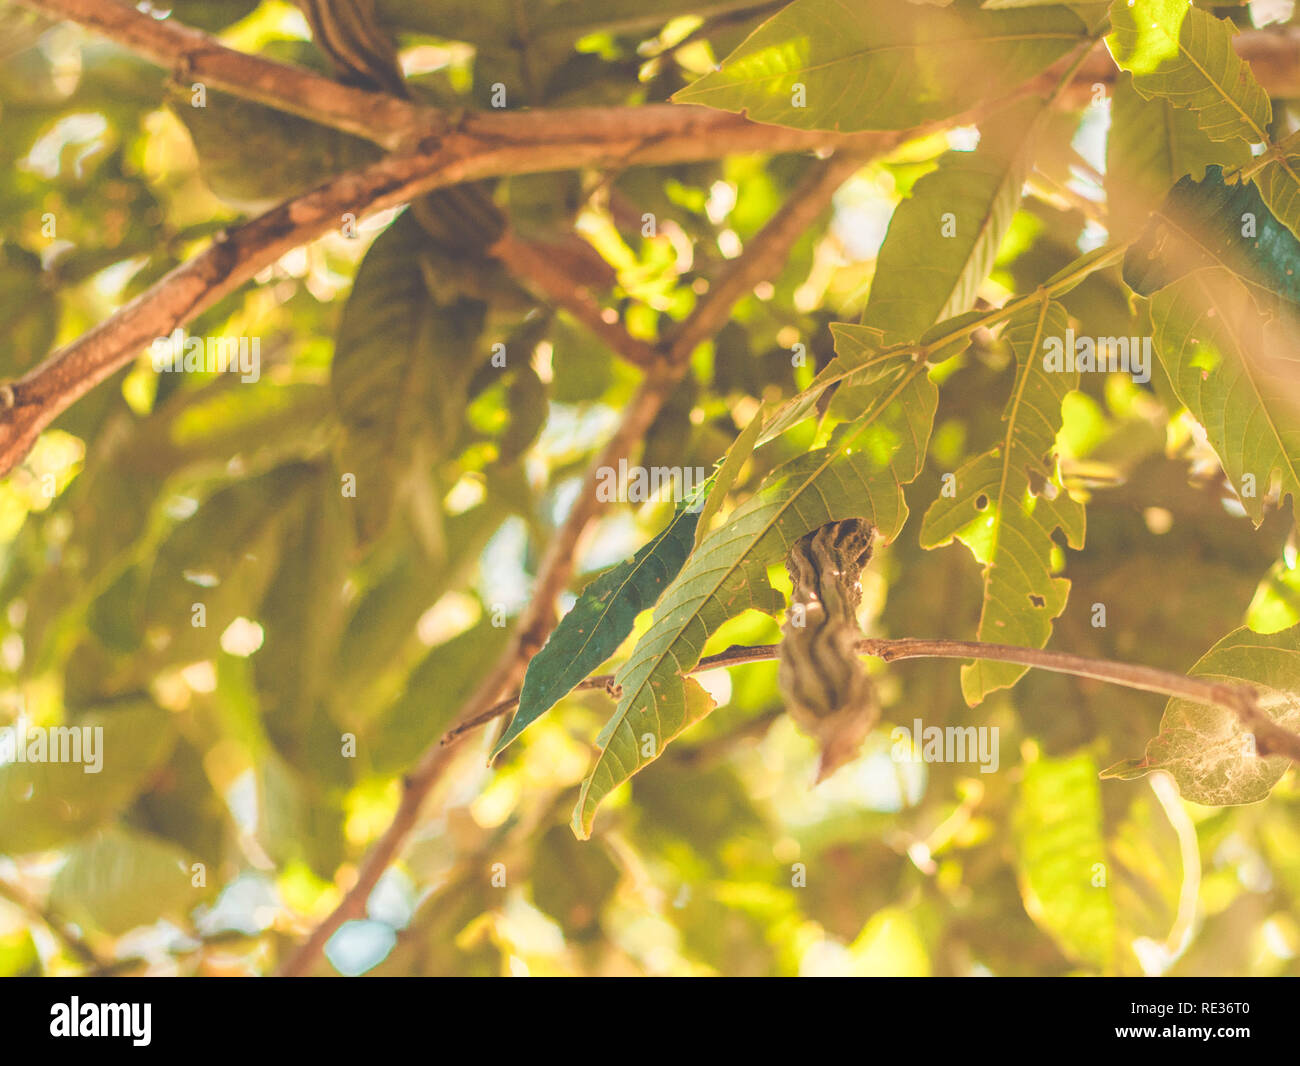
(1006, 520)
(862, 361)
(859, 474)
(1205, 747)
(1279, 184)
(726, 475)
(435, 691)
(401, 371)
(943, 239)
(572, 882)
(1059, 846)
(1212, 223)
(241, 149)
(302, 612)
(875, 64)
(1185, 55)
(45, 804)
(211, 15)
(598, 623)
(222, 557)
(29, 312)
(121, 879)
(1235, 369)
(1151, 145)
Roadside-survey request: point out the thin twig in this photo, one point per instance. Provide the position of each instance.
(1240, 700)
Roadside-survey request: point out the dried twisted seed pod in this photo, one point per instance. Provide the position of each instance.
(823, 681)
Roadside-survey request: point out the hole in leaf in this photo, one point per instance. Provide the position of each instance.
(981, 502)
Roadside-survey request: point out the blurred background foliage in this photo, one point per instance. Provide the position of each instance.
(229, 817)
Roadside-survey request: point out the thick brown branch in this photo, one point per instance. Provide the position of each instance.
(28, 405)
(1274, 55)
(763, 260)
(592, 136)
(529, 264)
(193, 56)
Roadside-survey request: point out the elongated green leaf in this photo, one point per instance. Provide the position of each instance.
(435, 691)
(1206, 748)
(29, 313)
(859, 473)
(1007, 519)
(735, 459)
(1236, 369)
(863, 358)
(600, 620)
(874, 64)
(1211, 223)
(121, 879)
(241, 149)
(45, 804)
(943, 239)
(1061, 858)
(402, 366)
(303, 610)
(1150, 146)
(1185, 55)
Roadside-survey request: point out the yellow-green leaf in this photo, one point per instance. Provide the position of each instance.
(1150, 146)
(1235, 368)
(881, 64)
(1061, 858)
(1185, 55)
(1007, 521)
(943, 239)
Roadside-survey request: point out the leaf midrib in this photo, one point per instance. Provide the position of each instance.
(1012, 416)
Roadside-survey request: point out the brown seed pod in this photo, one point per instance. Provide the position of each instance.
(823, 681)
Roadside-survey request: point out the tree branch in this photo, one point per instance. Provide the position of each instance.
(764, 258)
(613, 136)
(529, 264)
(1240, 700)
(193, 56)
(765, 253)
(30, 404)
